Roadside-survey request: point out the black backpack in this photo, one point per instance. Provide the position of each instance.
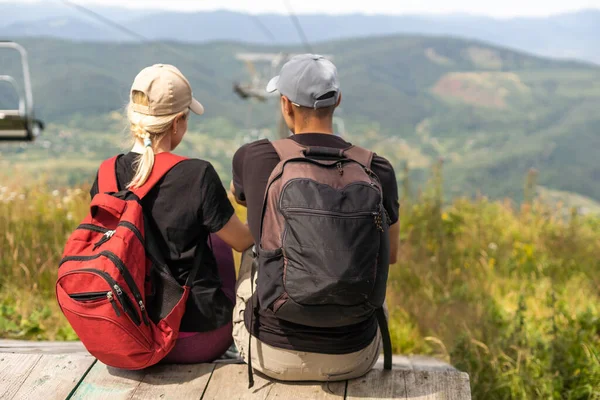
(323, 255)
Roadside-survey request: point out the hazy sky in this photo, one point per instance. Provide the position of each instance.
(497, 8)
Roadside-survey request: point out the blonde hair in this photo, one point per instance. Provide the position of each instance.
(147, 127)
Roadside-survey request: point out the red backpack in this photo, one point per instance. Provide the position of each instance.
(113, 285)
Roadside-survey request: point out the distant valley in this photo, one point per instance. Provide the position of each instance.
(490, 113)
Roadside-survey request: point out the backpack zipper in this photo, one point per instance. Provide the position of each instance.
(125, 224)
(376, 215)
(138, 234)
(310, 211)
(90, 296)
(124, 272)
(111, 300)
(115, 288)
(130, 282)
(303, 159)
(105, 238)
(94, 228)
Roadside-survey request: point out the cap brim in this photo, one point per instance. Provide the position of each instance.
(196, 107)
(272, 85)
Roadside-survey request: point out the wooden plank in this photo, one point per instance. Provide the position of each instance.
(54, 376)
(437, 385)
(398, 362)
(412, 378)
(231, 382)
(378, 384)
(307, 391)
(421, 363)
(14, 370)
(459, 385)
(104, 382)
(176, 382)
(23, 346)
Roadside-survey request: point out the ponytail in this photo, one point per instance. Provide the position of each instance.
(143, 166)
(149, 130)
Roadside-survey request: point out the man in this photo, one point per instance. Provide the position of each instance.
(270, 336)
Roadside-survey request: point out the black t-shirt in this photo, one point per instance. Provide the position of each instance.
(252, 166)
(186, 205)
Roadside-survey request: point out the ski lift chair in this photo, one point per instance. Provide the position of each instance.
(19, 124)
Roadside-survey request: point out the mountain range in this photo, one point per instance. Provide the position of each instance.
(572, 35)
(491, 113)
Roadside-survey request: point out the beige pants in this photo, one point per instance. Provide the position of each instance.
(289, 365)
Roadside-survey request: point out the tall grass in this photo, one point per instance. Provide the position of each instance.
(34, 224)
(507, 293)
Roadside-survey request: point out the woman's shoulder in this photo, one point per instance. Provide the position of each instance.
(192, 171)
(194, 164)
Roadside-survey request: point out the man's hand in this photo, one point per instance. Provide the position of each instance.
(232, 190)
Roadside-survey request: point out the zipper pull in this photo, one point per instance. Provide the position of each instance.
(143, 309)
(105, 238)
(118, 290)
(378, 221)
(111, 299)
(340, 168)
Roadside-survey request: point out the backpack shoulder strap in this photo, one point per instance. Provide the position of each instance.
(287, 149)
(163, 163)
(107, 176)
(360, 155)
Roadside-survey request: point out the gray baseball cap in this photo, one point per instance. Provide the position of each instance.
(305, 78)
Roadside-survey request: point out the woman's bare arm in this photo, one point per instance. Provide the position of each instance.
(236, 234)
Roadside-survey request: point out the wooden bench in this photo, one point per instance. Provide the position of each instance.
(37, 370)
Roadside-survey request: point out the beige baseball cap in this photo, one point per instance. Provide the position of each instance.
(168, 91)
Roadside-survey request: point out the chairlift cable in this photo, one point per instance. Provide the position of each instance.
(136, 35)
(298, 26)
(263, 28)
(105, 20)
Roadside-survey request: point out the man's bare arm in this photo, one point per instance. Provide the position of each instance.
(394, 242)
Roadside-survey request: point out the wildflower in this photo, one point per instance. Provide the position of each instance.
(55, 193)
(493, 246)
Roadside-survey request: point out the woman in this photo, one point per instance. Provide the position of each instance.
(187, 206)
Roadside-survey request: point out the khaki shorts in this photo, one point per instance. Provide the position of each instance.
(289, 365)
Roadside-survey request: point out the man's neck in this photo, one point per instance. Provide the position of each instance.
(316, 127)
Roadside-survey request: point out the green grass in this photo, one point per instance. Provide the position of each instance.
(34, 224)
(506, 293)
